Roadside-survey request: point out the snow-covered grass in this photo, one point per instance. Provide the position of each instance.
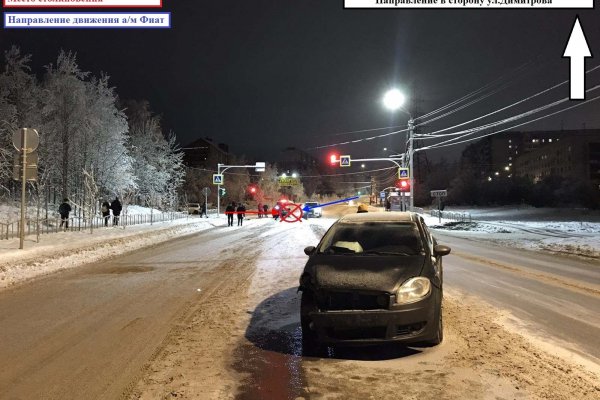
(578, 238)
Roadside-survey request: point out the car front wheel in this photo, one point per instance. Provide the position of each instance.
(439, 333)
(310, 343)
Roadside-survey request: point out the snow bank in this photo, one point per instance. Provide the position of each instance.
(575, 238)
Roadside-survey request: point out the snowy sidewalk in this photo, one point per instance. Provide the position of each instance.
(65, 250)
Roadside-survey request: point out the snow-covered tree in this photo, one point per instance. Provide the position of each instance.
(19, 104)
(65, 119)
(157, 163)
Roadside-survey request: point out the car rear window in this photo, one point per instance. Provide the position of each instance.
(378, 238)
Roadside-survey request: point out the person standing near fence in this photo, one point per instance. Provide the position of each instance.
(105, 209)
(116, 208)
(240, 214)
(64, 209)
(229, 212)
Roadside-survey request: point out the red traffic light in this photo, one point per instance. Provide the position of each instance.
(334, 159)
(252, 189)
(403, 185)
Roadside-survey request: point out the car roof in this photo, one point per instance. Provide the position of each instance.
(380, 217)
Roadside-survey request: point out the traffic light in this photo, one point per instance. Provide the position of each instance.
(403, 185)
(222, 192)
(252, 189)
(334, 159)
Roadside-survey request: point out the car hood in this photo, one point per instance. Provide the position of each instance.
(370, 273)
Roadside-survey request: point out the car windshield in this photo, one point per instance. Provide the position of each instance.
(311, 204)
(372, 238)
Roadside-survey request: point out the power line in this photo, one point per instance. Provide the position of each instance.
(439, 145)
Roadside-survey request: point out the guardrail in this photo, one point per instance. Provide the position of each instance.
(38, 227)
(452, 215)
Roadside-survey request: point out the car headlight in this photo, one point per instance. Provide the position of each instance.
(413, 290)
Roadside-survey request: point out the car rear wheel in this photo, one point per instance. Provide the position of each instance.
(310, 344)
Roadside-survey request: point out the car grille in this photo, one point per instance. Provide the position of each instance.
(335, 301)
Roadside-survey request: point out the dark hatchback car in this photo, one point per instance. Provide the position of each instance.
(373, 278)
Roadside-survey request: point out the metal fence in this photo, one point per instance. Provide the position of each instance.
(452, 215)
(38, 227)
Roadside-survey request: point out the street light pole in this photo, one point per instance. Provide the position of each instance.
(411, 152)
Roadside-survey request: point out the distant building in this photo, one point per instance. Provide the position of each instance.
(575, 155)
(296, 160)
(516, 153)
(203, 153)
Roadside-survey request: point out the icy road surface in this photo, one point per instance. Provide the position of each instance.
(215, 316)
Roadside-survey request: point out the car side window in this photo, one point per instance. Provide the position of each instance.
(428, 236)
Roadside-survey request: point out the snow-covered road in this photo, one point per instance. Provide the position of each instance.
(216, 316)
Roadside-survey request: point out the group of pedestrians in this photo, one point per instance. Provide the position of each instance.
(116, 208)
(235, 209)
(65, 209)
(263, 210)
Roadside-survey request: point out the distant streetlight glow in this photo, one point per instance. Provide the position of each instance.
(294, 175)
(284, 175)
(362, 165)
(393, 99)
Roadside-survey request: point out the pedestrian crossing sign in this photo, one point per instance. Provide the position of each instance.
(403, 173)
(217, 179)
(344, 161)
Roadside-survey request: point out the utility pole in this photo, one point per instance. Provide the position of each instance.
(411, 127)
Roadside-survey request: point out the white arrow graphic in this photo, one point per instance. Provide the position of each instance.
(577, 50)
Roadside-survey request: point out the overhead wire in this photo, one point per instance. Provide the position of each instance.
(439, 145)
(474, 93)
(434, 135)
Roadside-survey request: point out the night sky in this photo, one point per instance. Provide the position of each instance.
(264, 75)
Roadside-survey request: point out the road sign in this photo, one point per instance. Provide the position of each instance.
(439, 193)
(30, 172)
(217, 179)
(288, 181)
(260, 167)
(382, 195)
(403, 173)
(345, 161)
(32, 139)
(206, 191)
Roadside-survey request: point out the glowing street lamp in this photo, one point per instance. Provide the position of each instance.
(393, 100)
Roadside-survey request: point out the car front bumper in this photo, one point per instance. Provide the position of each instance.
(406, 324)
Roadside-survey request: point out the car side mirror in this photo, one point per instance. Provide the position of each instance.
(309, 250)
(441, 250)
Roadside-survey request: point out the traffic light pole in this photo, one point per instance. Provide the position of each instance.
(221, 168)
